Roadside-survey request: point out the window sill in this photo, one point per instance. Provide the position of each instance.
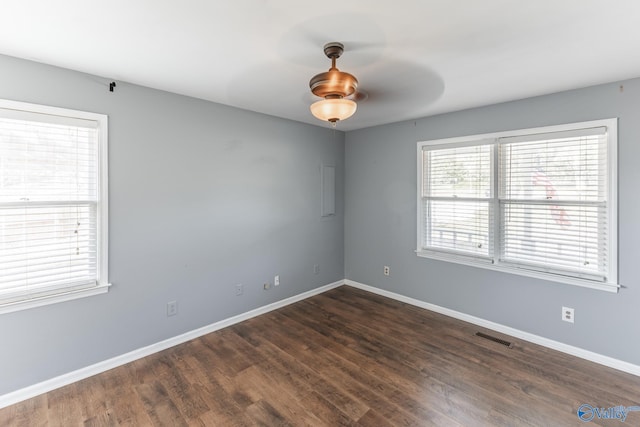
(53, 299)
(485, 263)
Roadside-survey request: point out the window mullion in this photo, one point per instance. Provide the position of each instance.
(495, 230)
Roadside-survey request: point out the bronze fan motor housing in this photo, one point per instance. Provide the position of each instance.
(333, 83)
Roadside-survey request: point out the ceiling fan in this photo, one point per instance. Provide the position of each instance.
(391, 87)
(336, 87)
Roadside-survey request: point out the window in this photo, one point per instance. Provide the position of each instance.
(538, 202)
(53, 205)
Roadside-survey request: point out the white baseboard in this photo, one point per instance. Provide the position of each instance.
(80, 374)
(545, 342)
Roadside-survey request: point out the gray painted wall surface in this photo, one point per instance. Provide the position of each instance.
(380, 224)
(202, 196)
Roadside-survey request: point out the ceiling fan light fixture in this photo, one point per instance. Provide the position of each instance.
(333, 85)
(333, 109)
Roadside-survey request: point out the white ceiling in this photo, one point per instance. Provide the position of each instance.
(414, 58)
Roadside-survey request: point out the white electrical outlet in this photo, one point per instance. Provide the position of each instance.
(568, 314)
(387, 270)
(276, 280)
(172, 308)
(239, 289)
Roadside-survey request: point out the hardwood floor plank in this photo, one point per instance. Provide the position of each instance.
(281, 400)
(121, 398)
(372, 419)
(221, 395)
(325, 364)
(485, 360)
(63, 407)
(523, 376)
(173, 372)
(387, 348)
(407, 380)
(217, 418)
(159, 405)
(346, 357)
(236, 359)
(336, 365)
(616, 382)
(104, 419)
(310, 385)
(306, 387)
(265, 415)
(32, 412)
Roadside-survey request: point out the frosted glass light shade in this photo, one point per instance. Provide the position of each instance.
(333, 109)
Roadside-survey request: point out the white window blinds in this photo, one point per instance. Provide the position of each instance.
(538, 202)
(457, 190)
(50, 239)
(553, 201)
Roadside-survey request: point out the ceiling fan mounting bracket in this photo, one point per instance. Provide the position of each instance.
(333, 50)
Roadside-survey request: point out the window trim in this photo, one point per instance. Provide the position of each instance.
(102, 209)
(493, 262)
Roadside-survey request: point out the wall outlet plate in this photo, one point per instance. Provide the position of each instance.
(172, 308)
(239, 289)
(568, 314)
(386, 270)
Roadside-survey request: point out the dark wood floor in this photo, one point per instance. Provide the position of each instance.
(346, 357)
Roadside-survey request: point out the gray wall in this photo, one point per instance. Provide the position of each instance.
(202, 197)
(380, 224)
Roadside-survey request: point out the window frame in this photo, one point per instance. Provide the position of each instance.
(28, 300)
(493, 261)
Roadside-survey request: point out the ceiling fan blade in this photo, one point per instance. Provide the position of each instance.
(357, 46)
(398, 87)
(303, 43)
(359, 96)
